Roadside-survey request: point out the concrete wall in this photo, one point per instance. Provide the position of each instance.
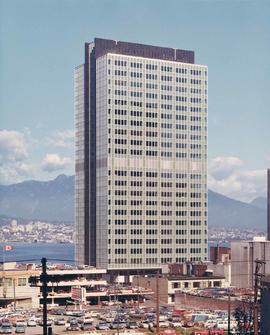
(151, 283)
(222, 269)
(25, 296)
(243, 256)
(169, 287)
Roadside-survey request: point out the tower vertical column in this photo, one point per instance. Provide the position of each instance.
(268, 204)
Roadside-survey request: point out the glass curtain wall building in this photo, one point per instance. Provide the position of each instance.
(141, 156)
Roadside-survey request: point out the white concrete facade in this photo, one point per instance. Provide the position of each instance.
(151, 162)
(243, 256)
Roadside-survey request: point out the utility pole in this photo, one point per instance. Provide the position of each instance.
(43, 279)
(157, 302)
(14, 294)
(138, 289)
(229, 312)
(258, 265)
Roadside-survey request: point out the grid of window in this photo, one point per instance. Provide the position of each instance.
(155, 128)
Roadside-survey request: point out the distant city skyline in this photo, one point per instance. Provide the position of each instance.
(41, 42)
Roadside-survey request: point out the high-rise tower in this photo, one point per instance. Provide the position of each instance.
(268, 204)
(141, 156)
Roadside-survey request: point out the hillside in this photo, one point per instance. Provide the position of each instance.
(50, 200)
(54, 201)
(227, 212)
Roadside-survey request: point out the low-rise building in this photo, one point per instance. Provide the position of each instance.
(15, 288)
(243, 256)
(90, 280)
(70, 284)
(169, 285)
(219, 254)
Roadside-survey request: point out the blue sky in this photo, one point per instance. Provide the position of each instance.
(42, 42)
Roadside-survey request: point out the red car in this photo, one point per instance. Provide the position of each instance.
(209, 332)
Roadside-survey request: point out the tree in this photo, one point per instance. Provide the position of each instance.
(244, 318)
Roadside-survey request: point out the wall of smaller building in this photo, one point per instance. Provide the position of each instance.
(243, 256)
(25, 296)
(222, 269)
(14, 286)
(218, 253)
(151, 283)
(184, 300)
(168, 286)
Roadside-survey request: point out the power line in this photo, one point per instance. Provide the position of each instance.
(39, 259)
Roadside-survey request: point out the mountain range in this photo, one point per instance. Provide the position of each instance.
(39, 200)
(53, 201)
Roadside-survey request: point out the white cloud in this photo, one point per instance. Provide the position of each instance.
(222, 167)
(13, 152)
(15, 172)
(20, 160)
(53, 162)
(12, 146)
(63, 139)
(228, 176)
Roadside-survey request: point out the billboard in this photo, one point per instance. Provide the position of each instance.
(78, 293)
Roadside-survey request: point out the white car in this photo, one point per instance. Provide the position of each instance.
(6, 328)
(92, 314)
(210, 323)
(163, 324)
(222, 324)
(176, 324)
(31, 323)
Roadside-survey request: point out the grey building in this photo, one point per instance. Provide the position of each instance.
(265, 306)
(268, 204)
(141, 156)
(243, 256)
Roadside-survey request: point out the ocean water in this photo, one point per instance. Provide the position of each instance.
(33, 252)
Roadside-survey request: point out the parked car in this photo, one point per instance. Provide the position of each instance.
(20, 322)
(132, 325)
(146, 324)
(103, 326)
(118, 325)
(176, 324)
(87, 319)
(188, 324)
(6, 328)
(4, 320)
(75, 313)
(31, 323)
(58, 312)
(163, 324)
(20, 328)
(87, 326)
(49, 322)
(209, 332)
(209, 324)
(92, 314)
(59, 322)
(73, 326)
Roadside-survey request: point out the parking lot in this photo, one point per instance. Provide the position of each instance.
(110, 320)
(105, 319)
